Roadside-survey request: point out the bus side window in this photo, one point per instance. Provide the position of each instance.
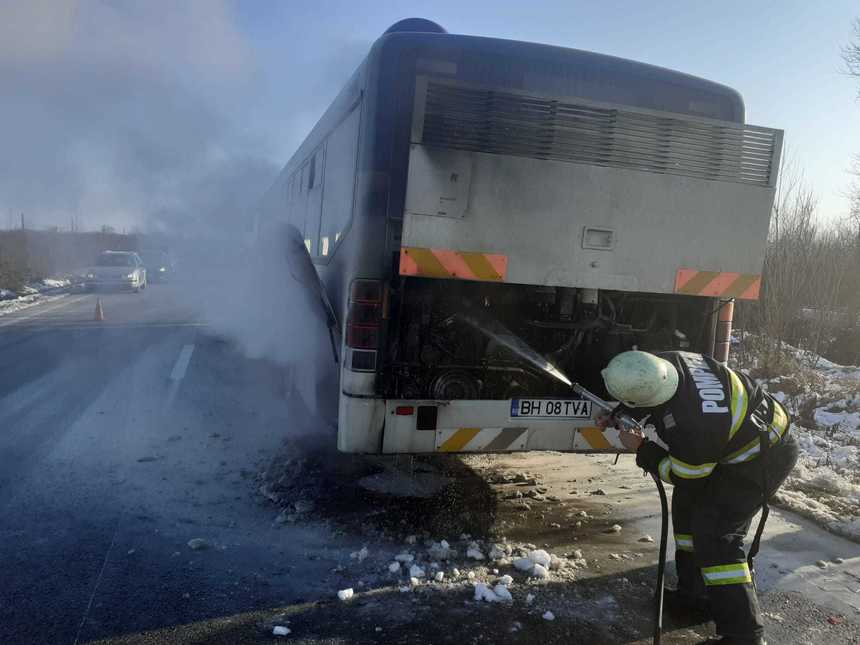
(340, 158)
(313, 199)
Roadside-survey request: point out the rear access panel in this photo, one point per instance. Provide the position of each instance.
(561, 191)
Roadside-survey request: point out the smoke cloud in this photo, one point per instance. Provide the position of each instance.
(128, 115)
(151, 117)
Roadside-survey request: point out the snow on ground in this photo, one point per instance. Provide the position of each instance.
(824, 401)
(32, 294)
(56, 283)
(25, 302)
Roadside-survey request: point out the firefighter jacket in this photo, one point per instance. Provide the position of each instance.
(713, 420)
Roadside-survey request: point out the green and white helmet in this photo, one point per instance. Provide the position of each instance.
(640, 380)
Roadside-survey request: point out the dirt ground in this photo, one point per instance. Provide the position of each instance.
(599, 518)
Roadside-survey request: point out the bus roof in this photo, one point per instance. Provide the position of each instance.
(561, 71)
(536, 68)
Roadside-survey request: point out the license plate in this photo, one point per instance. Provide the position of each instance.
(551, 408)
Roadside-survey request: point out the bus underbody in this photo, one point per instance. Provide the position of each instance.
(434, 353)
(443, 385)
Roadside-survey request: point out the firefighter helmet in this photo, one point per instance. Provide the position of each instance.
(640, 379)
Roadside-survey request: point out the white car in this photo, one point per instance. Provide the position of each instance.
(117, 270)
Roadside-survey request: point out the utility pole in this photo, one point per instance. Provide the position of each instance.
(22, 222)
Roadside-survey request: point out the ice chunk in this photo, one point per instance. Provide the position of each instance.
(405, 589)
(615, 528)
(496, 552)
(483, 592)
(411, 539)
(524, 564)
(502, 593)
(530, 598)
(280, 630)
(405, 558)
(506, 580)
(540, 571)
(548, 615)
(416, 572)
(414, 581)
(394, 567)
(541, 557)
(444, 544)
(474, 552)
(646, 538)
(197, 544)
(360, 555)
(439, 577)
(345, 594)
(455, 572)
(555, 562)
(439, 551)
(471, 575)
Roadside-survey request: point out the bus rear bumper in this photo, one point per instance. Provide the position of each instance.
(398, 426)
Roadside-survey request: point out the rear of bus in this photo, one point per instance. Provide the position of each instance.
(587, 204)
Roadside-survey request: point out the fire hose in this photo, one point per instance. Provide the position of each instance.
(631, 424)
(498, 332)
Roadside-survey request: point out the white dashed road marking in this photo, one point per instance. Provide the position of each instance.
(178, 372)
(182, 363)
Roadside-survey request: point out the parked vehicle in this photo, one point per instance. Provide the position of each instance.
(159, 266)
(117, 270)
(589, 203)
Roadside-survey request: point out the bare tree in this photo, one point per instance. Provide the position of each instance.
(851, 52)
(789, 260)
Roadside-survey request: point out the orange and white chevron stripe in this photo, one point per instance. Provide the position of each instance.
(718, 284)
(512, 439)
(446, 263)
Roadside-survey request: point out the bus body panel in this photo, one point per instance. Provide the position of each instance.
(370, 216)
(538, 214)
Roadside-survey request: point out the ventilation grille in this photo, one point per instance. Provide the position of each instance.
(496, 122)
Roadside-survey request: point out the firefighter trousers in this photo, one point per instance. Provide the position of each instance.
(710, 524)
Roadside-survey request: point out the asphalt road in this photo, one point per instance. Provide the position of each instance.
(120, 441)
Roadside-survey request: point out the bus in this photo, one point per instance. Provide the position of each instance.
(588, 204)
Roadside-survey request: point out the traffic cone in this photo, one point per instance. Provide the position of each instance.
(100, 314)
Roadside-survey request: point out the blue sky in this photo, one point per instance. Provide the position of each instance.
(165, 113)
(782, 57)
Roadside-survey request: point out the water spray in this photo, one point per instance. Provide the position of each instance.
(498, 332)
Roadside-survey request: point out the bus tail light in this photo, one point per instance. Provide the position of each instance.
(364, 321)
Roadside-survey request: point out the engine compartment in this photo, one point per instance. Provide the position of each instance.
(432, 352)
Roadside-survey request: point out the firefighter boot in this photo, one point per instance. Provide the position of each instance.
(683, 602)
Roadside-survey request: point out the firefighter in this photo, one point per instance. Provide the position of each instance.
(714, 421)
